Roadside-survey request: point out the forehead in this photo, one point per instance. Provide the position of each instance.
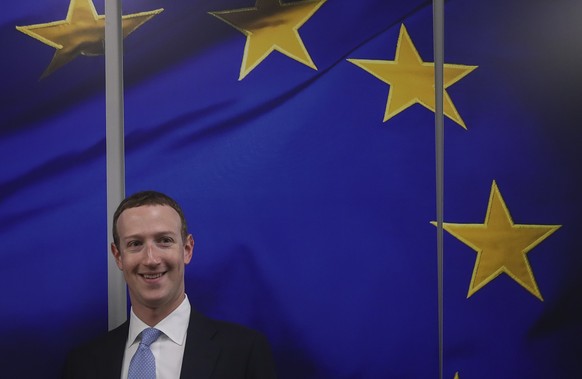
(148, 219)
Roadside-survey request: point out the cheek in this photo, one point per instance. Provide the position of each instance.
(128, 263)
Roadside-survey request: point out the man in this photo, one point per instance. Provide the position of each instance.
(151, 246)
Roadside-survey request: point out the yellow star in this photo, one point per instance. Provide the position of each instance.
(501, 245)
(457, 376)
(271, 25)
(412, 81)
(81, 33)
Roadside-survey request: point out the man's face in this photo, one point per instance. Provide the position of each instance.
(152, 256)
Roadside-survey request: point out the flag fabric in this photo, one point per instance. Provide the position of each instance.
(52, 198)
(299, 138)
(514, 313)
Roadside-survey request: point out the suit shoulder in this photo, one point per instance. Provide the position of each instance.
(237, 332)
(88, 360)
(233, 327)
(241, 352)
(226, 333)
(106, 340)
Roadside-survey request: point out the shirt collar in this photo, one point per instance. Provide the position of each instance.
(174, 326)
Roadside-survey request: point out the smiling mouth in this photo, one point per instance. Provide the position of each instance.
(153, 276)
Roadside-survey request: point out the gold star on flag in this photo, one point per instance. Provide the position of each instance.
(411, 79)
(271, 25)
(81, 33)
(501, 245)
(457, 376)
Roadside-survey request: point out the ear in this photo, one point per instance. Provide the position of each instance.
(188, 248)
(117, 255)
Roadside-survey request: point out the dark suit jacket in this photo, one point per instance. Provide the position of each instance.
(214, 350)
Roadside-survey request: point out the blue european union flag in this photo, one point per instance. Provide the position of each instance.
(52, 198)
(299, 138)
(523, 133)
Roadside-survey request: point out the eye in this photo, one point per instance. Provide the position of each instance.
(166, 241)
(134, 245)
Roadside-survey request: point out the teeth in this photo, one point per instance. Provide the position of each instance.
(151, 276)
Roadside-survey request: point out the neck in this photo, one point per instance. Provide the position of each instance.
(153, 315)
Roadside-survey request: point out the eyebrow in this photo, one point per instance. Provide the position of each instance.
(156, 235)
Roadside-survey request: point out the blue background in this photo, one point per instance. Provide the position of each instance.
(310, 215)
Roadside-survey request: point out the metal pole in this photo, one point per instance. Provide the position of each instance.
(117, 295)
(438, 32)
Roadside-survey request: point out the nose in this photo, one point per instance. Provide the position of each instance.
(151, 255)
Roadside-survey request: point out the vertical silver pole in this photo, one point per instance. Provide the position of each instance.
(116, 293)
(438, 32)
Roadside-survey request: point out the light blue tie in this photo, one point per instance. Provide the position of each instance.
(143, 363)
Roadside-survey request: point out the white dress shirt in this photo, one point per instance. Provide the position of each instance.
(168, 349)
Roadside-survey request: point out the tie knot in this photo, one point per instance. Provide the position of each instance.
(149, 335)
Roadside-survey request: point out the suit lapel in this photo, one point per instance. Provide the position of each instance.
(201, 352)
(112, 359)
